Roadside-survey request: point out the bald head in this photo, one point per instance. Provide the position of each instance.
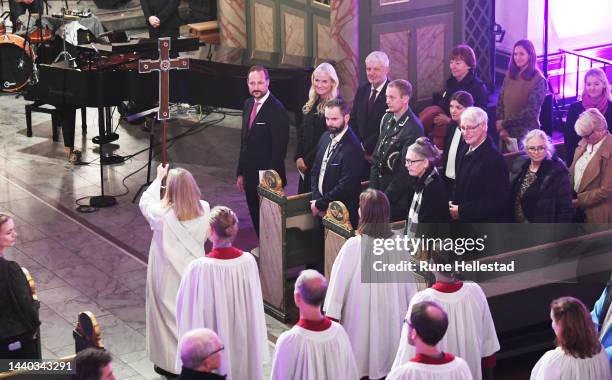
(430, 322)
(311, 286)
(197, 346)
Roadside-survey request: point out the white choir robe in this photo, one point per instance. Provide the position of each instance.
(225, 296)
(557, 365)
(175, 244)
(454, 370)
(371, 313)
(471, 333)
(303, 354)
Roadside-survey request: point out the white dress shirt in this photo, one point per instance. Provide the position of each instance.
(583, 162)
(328, 152)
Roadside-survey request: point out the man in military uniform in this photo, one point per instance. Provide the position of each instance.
(399, 128)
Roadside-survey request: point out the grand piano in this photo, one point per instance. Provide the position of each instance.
(107, 75)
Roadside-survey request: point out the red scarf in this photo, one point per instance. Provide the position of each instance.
(225, 253)
(426, 359)
(447, 287)
(600, 103)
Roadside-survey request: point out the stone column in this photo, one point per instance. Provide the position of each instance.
(345, 41)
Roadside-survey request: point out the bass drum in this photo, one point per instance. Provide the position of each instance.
(16, 63)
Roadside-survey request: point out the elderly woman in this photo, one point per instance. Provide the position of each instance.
(18, 311)
(430, 200)
(521, 97)
(596, 94)
(541, 193)
(455, 147)
(463, 77)
(579, 354)
(591, 170)
(324, 87)
(180, 225)
(371, 312)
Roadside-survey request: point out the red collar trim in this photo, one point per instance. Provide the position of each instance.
(447, 287)
(225, 253)
(321, 325)
(425, 359)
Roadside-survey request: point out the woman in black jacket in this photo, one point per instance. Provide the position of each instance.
(18, 311)
(437, 117)
(430, 200)
(324, 87)
(541, 193)
(596, 94)
(454, 145)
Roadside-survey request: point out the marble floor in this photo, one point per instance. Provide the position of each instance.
(97, 261)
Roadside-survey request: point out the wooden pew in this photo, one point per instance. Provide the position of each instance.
(290, 239)
(34, 293)
(86, 334)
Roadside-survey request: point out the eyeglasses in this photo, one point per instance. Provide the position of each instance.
(536, 149)
(465, 128)
(410, 162)
(214, 352)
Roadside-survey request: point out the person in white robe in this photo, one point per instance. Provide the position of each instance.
(316, 347)
(180, 225)
(579, 354)
(222, 292)
(471, 333)
(372, 312)
(426, 327)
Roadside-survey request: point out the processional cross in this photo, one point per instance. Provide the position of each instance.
(164, 64)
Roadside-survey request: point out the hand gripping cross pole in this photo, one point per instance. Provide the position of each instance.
(164, 64)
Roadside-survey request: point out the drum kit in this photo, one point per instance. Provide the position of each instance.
(18, 51)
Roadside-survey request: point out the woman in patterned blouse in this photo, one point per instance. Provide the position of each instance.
(541, 193)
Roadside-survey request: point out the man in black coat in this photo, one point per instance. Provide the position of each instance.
(369, 105)
(162, 17)
(482, 183)
(399, 129)
(336, 174)
(264, 138)
(19, 7)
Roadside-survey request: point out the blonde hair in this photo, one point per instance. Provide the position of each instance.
(589, 121)
(224, 222)
(328, 69)
(182, 194)
(600, 75)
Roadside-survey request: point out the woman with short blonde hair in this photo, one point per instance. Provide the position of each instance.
(180, 225)
(324, 87)
(591, 171)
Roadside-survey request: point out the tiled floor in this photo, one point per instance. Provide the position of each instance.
(97, 261)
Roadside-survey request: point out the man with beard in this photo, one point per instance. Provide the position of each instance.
(337, 168)
(264, 138)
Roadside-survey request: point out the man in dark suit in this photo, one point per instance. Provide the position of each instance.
(264, 138)
(337, 168)
(369, 105)
(399, 128)
(162, 17)
(482, 182)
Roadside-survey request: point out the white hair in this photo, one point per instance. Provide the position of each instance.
(196, 345)
(311, 286)
(475, 115)
(538, 133)
(378, 57)
(589, 121)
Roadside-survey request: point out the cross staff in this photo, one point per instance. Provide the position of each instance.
(164, 64)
